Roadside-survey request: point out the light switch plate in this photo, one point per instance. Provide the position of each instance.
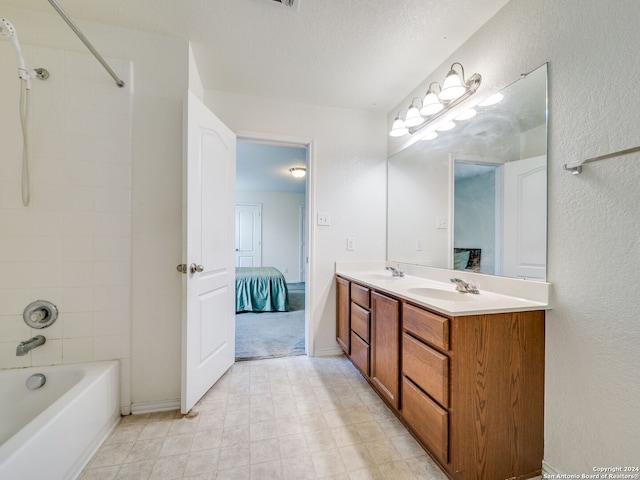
(324, 218)
(351, 244)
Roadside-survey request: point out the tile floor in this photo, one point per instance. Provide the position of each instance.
(287, 418)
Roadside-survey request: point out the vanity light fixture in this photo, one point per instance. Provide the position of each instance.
(413, 117)
(430, 135)
(398, 128)
(491, 100)
(467, 114)
(446, 126)
(431, 103)
(454, 90)
(298, 172)
(453, 86)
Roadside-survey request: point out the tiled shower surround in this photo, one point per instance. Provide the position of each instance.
(72, 245)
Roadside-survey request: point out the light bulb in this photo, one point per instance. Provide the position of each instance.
(452, 87)
(399, 128)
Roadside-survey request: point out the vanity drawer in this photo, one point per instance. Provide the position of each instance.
(427, 419)
(360, 353)
(360, 321)
(425, 325)
(427, 368)
(361, 295)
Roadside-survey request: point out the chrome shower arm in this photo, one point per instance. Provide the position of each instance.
(84, 39)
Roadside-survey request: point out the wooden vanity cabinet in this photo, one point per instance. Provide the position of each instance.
(469, 388)
(385, 347)
(473, 391)
(372, 340)
(343, 312)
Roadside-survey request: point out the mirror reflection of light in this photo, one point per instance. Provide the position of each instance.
(446, 126)
(430, 135)
(491, 100)
(467, 114)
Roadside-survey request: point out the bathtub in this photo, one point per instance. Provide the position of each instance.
(52, 432)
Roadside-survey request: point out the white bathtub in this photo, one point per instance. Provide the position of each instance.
(52, 432)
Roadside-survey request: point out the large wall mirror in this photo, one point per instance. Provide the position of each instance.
(475, 197)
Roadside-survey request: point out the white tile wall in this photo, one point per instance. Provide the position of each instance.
(72, 246)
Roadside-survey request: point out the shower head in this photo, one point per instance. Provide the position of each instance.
(7, 30)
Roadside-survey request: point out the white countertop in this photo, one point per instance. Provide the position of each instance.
(431, 288)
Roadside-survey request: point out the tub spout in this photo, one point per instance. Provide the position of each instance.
(28, 345)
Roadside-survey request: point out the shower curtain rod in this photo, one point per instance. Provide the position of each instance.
(84, 39)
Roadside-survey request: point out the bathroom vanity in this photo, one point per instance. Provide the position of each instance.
(464, 372)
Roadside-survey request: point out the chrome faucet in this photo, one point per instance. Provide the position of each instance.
(28, 345)
(464, 287)
(396, 271)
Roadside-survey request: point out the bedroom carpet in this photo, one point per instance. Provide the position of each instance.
(272, 334)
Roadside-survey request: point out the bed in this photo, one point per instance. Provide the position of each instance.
(467, 259)
(261, 289)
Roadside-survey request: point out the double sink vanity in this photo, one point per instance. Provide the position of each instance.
(464, 372)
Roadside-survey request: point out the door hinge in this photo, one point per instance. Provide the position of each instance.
(182, 268)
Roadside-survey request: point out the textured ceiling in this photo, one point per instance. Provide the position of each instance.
(366, 54)
(264, 167)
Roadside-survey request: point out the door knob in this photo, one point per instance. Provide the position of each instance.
(196, 268)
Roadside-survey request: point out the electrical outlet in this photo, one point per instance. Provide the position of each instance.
(324, 218)
(418, 244)
(351, 243)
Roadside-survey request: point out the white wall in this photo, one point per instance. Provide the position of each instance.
(160, 78)
(593, 332)
(280, 229)
(419, 192)
(347, 178)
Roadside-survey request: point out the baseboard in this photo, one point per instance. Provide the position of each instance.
(548, 471)
(327, 352)
(150, 407)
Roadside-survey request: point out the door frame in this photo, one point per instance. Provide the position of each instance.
(309, 144)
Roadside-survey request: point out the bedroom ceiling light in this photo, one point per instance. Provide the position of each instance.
(421, 113)
(298, 172)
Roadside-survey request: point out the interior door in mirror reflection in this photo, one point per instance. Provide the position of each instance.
(525, 215)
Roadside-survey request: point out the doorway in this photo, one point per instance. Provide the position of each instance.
(278, 202)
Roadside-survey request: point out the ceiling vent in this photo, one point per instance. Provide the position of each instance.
(288, 3)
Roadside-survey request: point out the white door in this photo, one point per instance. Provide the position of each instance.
(525, 209)
(304, 240)
(208, 313)
(248, 235)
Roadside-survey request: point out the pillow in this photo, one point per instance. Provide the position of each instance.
(460, 260)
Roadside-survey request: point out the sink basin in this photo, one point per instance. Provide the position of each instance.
(439, 294)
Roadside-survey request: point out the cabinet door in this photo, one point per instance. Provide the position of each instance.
(385, 347)
(343, 324)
